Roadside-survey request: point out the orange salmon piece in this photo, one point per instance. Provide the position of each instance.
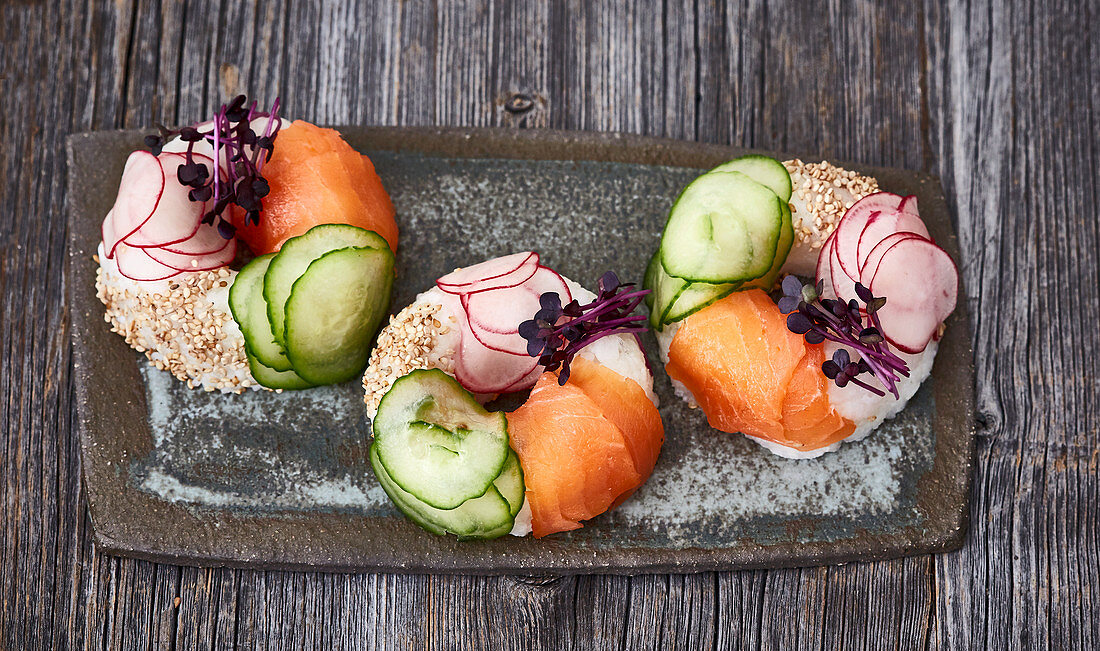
(317, 178)
(576, 462)
(737, 358)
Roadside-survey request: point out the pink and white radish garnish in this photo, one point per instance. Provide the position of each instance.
(492, 298)
(241, 152)
(882, 244)
(558, 332)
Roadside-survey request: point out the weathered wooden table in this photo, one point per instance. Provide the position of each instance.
(1003, 102)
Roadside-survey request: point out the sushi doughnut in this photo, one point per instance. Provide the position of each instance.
(585, 438)
(833, 358)
(171, 256)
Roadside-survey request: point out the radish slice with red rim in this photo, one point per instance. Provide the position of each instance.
(851, 225)
(206, 241)
(139, 194)
(189, 262)
(843, 285)
(867, 270)
(503, 309)
(883, 225)
(920, 283)
(483, 370)
(482, 275)
(909, 205)
(176, 218)
(136, 264)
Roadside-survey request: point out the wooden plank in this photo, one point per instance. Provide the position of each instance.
(999, 99)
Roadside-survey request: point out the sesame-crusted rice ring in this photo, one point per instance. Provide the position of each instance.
(822, 193)
(182, 325)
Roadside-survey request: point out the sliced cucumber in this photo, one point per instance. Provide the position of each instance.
(334, 311)
(436, 442)
(486, 516)
(510, 483)
(271, 378)
(695, 297)
(295, 257)
(665, 290)
(724, 228)
(783, 249)
(246, 302)
(650, 280)
(764, 170)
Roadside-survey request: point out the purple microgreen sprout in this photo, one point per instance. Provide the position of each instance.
(557, 333)
(236, 144)
(819, 319)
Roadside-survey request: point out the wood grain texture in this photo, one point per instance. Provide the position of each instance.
(999, 99)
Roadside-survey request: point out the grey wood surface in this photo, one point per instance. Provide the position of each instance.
(1000, 100)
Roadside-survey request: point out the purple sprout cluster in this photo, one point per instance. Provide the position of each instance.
(819, 319)
(243, 149)
(557, 333)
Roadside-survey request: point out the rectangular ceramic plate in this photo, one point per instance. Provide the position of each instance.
(283, 481)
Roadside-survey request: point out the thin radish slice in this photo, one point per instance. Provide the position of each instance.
(502, 310)
(514, 279)
(483, 274)
(509, 307)
(176, 217)
(867, 270)
(843, 285)
(136, 264)
(206, 241)
(139, 194)
(920, 283)
(909, 205)
(483, 370)
(824, 273)
(882, 225)
(851, 226)
(527, 381)
(187, 262)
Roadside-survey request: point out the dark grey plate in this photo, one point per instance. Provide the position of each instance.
(282, 481)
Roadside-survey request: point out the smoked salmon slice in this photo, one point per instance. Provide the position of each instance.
(317, 178)
(576, 462)
(737, 357)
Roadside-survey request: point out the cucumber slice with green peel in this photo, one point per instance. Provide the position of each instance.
(510, 483)
(334, 311)
(724, 228)
(272, 378)
(783, 249)
(246, 302)
(695, 297)
(486, 516)
(665, 290)
(764, 170)
(436, 442)
(295, 257)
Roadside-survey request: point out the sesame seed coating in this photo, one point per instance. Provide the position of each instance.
(178, 326)
(406, 344)
(823, 192)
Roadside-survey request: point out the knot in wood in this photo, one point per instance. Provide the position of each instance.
(519, 103)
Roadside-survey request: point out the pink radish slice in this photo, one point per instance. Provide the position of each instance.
(909, 205)
(867, 270)
(136, 264)
(483, 274)
(882, 225)
(176, 217)
(188, 262)
(843, 286)
(920, 283)
(483, 370)
(139, 194)
(507, 281)
(851, 226)
(527, 381)
(206, 240)
(503, 309)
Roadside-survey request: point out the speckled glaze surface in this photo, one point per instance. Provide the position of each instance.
(283, 481)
